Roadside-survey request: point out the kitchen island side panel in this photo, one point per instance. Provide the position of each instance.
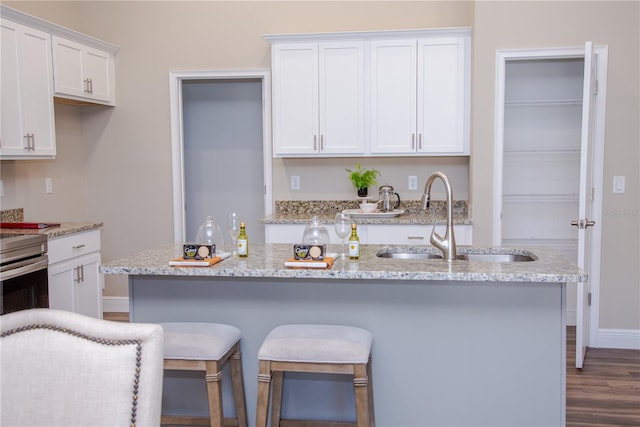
(444, 353)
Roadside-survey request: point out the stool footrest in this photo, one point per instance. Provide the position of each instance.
(313, 423)
(194, 421)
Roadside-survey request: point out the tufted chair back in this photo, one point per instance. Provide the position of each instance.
(59, 368)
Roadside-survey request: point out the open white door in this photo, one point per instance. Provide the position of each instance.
(586, 202)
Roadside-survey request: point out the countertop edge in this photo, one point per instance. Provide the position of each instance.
(266, 261)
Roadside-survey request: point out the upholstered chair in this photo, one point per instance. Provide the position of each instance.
(64, 369)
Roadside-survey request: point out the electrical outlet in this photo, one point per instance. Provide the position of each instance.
(295, 182)
(48, 188)
(413, 182)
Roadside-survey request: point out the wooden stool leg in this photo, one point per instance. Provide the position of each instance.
(237, 380)
(214, 392)
(360, 383)
(372, 417)
(276, 398)
(264, 386)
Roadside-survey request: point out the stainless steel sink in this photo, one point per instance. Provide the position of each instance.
(416, 254)
(496, 257)
(407, 255)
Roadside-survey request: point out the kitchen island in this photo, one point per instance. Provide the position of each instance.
(460, 343)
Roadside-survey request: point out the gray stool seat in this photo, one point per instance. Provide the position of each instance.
(198, 341)
(208, 347)
(317, 344)
(322, 349)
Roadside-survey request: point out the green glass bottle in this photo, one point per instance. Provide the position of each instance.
(243, 242)
(354, 242)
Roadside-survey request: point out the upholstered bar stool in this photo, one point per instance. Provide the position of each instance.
(193, 346)
(322, 349)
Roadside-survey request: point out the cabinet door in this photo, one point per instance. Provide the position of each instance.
(76, 285)
(442, 106)
(341, 97)
(82, 72)
(27, 93)
(295, 98)
(88, 290)
(99, 70)
(393, 96)
(62, 278)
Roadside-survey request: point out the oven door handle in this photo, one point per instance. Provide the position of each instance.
(20, 269)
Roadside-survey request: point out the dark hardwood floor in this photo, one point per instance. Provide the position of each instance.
(605, 392)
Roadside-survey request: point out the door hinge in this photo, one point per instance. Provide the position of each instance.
(589, 299)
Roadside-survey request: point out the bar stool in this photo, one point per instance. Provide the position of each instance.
(322, 349)
(192, 346)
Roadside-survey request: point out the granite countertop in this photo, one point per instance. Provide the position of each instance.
(267, 261)
(63, 229)
(301, 212)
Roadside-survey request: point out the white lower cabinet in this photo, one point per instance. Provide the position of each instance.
(392, 234)
(292, 233)
(75, 283)
(418, 234)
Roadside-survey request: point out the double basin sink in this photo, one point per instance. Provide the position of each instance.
(497, 255)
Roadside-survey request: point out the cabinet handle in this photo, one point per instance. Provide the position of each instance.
(91, 86)
(415, 237)
(31, 145)
(321, 142)
(86, 86)
(77, 272)
(82, 245)
(413, 141)
(420, 141)
(81, 273)
(315, 142)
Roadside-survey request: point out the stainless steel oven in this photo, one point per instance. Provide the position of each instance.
(24, 278)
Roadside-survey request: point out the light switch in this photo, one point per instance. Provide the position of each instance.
(48, 186)
(618, 184)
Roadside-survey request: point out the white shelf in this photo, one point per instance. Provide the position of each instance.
(542, 151)
(553, 198)
(543, 103)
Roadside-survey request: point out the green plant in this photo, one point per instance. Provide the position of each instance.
(363, 178)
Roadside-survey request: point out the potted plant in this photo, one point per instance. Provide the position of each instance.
(362, 179)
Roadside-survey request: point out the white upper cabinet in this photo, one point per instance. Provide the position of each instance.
(382, 93)
(26, 88)
(420, 96)
(82, 72)
(318, 99)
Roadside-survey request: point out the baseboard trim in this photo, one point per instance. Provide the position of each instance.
(628, 339)
(115, 304)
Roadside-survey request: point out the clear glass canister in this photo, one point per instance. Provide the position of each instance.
(209, 233)
(315, 233)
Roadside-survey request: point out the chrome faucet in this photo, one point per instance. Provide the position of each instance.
(446, 244)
